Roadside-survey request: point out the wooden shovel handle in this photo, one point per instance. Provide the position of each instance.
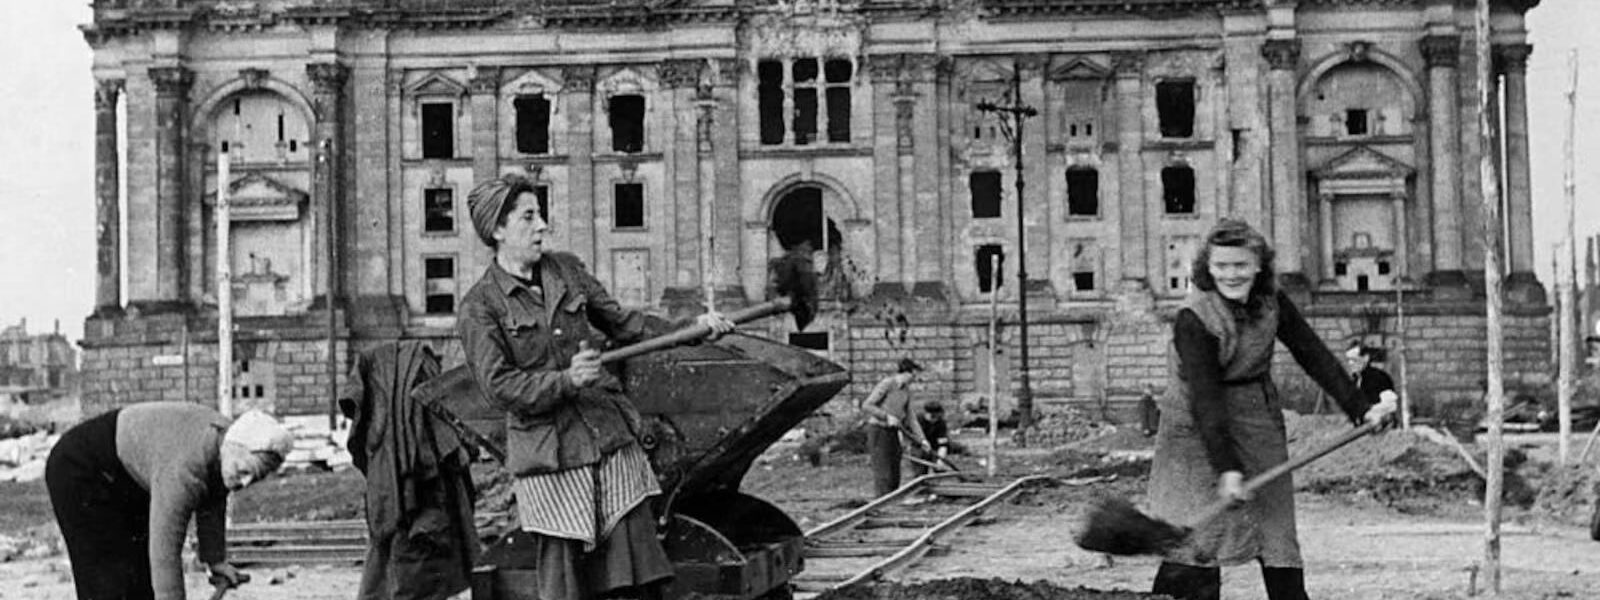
(696, 331)
(1255, 483)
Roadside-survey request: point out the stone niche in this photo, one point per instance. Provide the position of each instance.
(269, 246)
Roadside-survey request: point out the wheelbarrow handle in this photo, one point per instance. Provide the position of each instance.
(696, 331)
(1268, 476)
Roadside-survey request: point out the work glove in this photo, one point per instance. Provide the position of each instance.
(1383, 412)
(227, 575)
(1230, 487)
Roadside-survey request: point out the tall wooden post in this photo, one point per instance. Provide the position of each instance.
(224, 291)
(1492, 255)
(1567, 350)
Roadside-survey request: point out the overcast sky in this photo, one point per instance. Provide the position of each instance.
(47, 241)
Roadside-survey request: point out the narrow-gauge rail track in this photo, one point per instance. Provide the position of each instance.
(895, 530)
(307, 542)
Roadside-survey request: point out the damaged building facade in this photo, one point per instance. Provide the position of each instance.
(679, 145)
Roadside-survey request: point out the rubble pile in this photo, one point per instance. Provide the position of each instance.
(1397, 468)
(966, 588)
(1065, 427)
(1568, 495)
(22, 458)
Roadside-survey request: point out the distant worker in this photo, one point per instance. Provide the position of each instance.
(531, 330)
(1149, 413)
(888, 410)
(1221, 419)
(125, 484)
(1372, 380)
(935, 446)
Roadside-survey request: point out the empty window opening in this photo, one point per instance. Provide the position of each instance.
(985, 189)
(1175, 107)
(1238, 144)
(1177, 190)
(810, 340)
(1355, 122)
(260, 391)
(628, 205)
(439, 210)
(627, 123)
(1363, 283)
(1083, 281)
(836, 74)
(224, 145)
(533, 124)
(438, 130)
(989, 257)
(280, 128)
(1083, 192)
(799, 219)
(542, 192)
(805, 73)
(1341, 268)
(1383, 267)
(439, 284)
(769, 99)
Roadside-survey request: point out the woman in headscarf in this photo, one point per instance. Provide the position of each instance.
(124, 485)
(531, 328)
(1222, 420)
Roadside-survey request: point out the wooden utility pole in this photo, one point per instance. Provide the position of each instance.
(224, 291)
(1489, 178)
(1567, 351)
(1013, 118)
(994, 381)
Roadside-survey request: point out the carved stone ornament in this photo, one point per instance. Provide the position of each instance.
(884, 67)
(904, 111)
(578, 79)
(920, 67)
(704, 125)
(1442, 50)
(171, 81)
(679, 73)
(1281, 55)
(1358, 51)
(785, 34)
(486, 80)
(1127, 62)
(1512, 58)
(1030, 65)
(727, 71)
(253, 78)
(328, 77)
(105, 94)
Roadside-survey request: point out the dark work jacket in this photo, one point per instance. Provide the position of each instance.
(419, 485)
(518, 343)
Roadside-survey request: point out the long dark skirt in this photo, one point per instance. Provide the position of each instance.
(103, 513)
(628, 563)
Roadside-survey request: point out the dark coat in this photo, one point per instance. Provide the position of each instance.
(518, 342)
(422, 540)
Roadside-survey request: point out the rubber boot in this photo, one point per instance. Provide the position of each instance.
(1188, 583)
(1285, 583)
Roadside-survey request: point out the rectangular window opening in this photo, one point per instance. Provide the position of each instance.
(1083, 281)
(1083, 192)
(439, 285)
(1175, 108)
(1355, 122)
(769, 100)
(810, 340)
(985, 189)
(1177, 190)
(837, 72)
(438, 130)
(533, 124)
(627, 123)
(990, 278)
(542, 192)
(628, 205)
(439, 210)
(1383, 267)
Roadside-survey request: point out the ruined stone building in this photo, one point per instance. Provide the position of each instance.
(35, 366)
(679, 144)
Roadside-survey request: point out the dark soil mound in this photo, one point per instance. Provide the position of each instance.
(1568, 495)
(968, 588)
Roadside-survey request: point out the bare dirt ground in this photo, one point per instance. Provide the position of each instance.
(1360, 540)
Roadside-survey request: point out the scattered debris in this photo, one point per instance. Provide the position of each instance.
(964, 588)
(1065, 427)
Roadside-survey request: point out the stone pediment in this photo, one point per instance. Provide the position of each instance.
(1362, 162)
(1079, 68)
(256, 197)
(435, 84)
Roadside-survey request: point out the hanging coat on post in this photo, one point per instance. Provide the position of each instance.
(419, 496)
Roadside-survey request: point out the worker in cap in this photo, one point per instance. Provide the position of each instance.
(531, 329)
(125, 484)
(888, 410)
(1372, 381)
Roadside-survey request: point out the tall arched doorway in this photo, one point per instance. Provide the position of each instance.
(799, 217)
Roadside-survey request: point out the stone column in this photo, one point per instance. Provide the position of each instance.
(327, 103)
(1134, 202)
(885, 73)
(1513, 61)
(680, 189)
(485, 88)
(1288, 201)
(1443, 53)
(1325, 230)
(577, 93)
(1036, 206)
(172, 111)
(721, 132)
(108, 217)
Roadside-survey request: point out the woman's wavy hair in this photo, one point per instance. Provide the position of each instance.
(1233, 233)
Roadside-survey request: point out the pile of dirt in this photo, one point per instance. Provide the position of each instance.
(1399, 469)
(964, 588)
(847, 440)
(1057, 429)
(1568, 495)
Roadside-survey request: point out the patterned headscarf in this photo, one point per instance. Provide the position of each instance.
(489, 200)
(259, 432)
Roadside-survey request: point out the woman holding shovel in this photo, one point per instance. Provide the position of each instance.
(1223, 421)
(531, 330)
